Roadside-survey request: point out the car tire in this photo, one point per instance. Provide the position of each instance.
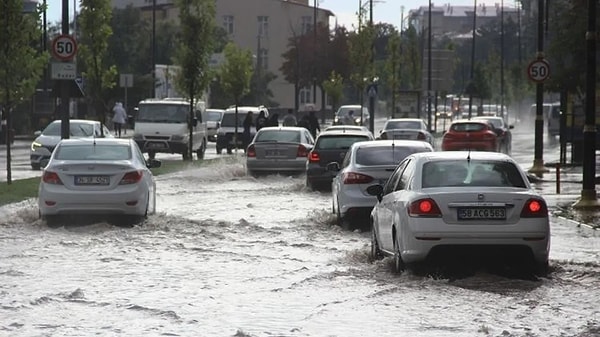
(376, 253)
(541, 269)
(35, 167)
(200, 152)
(52, 221)
(399, 265)
(229, 150)
(219, 150)
(151, 154)
(343, 222)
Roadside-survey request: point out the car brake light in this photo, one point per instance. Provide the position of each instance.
(251, 152)
(51, 178)
(421, 136)
(534, 208)
(302, 152)
(131, 177)
(356, 178)
(424, 207)
(314, 157)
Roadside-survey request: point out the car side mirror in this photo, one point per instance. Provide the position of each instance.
(511, 126)
(376, 190)
(153, 163)
(333, 167)
(37, 133)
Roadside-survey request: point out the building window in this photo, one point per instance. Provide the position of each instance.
(264, 58)
(228, 23)
(263, 26)
(307, 24)
(305, 96)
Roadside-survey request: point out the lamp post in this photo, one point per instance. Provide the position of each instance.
(315, 51)
(64, 84)
(153, 48)
(429, 68)
(471, 85)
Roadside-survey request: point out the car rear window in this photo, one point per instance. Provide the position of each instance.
(338, 141)
(471, 173)
(467, 127)
(76, 130)
(403, 125)
(278, 136)
(388, 155)
(93, 152)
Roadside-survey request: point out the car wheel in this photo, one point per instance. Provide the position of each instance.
(541, 268)
(52, 221)
(229, 150)
(35, 167)
(219, 150)
(343, 222)
(310, 185)
(185, 155)
(151, 154)
(200, 152)
(376, 253)
(399, 265)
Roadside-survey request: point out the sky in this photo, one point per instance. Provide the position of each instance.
(388, 11)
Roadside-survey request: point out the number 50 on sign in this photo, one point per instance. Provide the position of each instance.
(64, 47)
(538, 70)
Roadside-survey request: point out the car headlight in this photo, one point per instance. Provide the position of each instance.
(35, 146)
(138, 136)
(177, 137)
(357, 121)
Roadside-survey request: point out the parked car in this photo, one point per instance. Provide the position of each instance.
(45, 142)
(341, 115)
(279, 149)
(502, 131)
(330, 146)
(366, 164)
(106, 176)
(443, 111)
(470, 134)
(406, 128)
(226, 132)
(460, 205)
(213, 122)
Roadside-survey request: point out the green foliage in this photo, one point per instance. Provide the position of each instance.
(392, 67)
(334, 87)
(236, 72)
(99, 74)
(18, 190)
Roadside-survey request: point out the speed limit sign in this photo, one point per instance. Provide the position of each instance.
(64, 47)
(538, 70)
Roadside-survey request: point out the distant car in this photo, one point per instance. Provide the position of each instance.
(443, 111)
(502, 130)
(460, 205)
(213, 122)
(406, 128)
(366, 164)
(330, 146)
(347, 127)
(470, 134)
(279, 149)
(226, 132)
(106, 176)
(341, 115)
(46, 140)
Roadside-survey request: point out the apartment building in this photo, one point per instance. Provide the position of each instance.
(262, 26)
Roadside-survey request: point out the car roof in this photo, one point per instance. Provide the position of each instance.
(405, 120)
(488, 118)
(102, 141)
(80, 121)
(390, 142)
(472, 120)
(346, 132)
(291, 128)
(473, 155)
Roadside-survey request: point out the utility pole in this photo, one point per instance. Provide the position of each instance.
(588, 193)
(153, 48)
(373, 86)
(502, 61)
(429, 34)
(315, 51)
(471, 85)
(64, 84)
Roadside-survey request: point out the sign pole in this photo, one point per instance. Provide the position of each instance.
(64, 84)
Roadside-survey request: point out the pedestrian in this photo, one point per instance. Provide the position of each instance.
(119, 118)
(247, 124)
(290, 119)
(261, 120)
(303, 122)
(313, 123)
(273, 120)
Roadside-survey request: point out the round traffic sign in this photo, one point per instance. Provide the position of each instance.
(64, 47)
(538, 70)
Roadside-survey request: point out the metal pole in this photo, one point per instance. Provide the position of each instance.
(502, 62)
(64, 84)
(538, 160)
(373, 79)
(315, 51)
(588, 193)
(429, 70)
(471, 86)
(153, 48)
(6, 112)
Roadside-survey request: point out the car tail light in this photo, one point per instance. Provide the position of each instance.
(51, 178)
(424, 207)
(131, 177)
(421, 136)
(314, 157)
(356, 178)
(302, 151)
(251, 152)
(489, 137)
(534, 208)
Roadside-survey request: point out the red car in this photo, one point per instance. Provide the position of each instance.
(476, 135)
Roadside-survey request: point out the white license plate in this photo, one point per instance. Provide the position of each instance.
(156, 146)
(92, 180)
(482, 213)
(272, 153)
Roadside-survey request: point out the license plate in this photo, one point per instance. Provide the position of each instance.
(272, 153)
(91, 180)
(482, 213)
(156, 146)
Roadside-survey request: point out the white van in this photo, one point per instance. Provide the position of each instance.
(161, 125)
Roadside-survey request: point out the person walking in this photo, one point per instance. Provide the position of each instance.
(273, 120)
(290, 119)
(247, 124)
(119, 118)
(261, 120)
(313, 123)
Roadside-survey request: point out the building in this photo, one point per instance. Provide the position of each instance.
(262, 26)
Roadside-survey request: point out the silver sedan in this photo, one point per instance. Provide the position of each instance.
(279, 149)
(107, 176)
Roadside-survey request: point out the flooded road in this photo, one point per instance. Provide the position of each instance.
(231, 255)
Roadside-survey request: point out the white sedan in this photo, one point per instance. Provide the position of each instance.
(105, 176)
(366, 164)
(442, 203)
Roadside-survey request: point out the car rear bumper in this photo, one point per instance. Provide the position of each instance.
(162, 146)
(319, 175)
(276, 165)
(472, 146)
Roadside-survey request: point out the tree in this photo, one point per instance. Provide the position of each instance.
(100, 76)
(361, 54)
(334, 87)
(235, 76)
(194, 47)
(392, 68)
(21, 64)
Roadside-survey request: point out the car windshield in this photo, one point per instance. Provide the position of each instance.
(467, 127)
(443, 173)
(338, 141)
(229, 118)
(93, 152)
(76, 130)
(496, 122)
(343, 111)
(163, 113)
(391, 125)
(286, 136)
(388, 155)
(213, 115)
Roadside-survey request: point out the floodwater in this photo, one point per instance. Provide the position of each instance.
(231, 255)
